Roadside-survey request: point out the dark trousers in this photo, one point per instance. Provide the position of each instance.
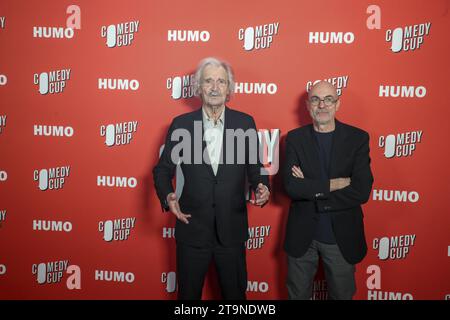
(193, 264)
(339, 274)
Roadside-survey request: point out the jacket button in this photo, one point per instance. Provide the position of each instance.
(213, 205)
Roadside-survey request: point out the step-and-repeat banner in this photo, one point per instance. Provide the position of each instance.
(89, 88)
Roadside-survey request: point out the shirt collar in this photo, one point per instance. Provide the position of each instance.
(207, 118)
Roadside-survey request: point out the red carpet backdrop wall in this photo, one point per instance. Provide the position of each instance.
(89, 88)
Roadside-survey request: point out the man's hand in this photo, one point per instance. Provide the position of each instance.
(262, 195)
(297, 172)
(174, 207)
(339, 183)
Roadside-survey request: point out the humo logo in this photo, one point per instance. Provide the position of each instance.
(118, 84)
(255, 286)
(374, 287)
(73, 22)
(52, 131)
(3, 175)
(182, 86)
(51, 179)
(339, 83)
(2, 22)
(255, 88)
(396, 247)
(2, 269)
(395, 195)
(114, 276)
(53, 32)
(119, 182)
(408, 38)
(257, 236)
(52, 81)
(170, 279)
(47, 225)
(3, 80)
(50, 272)
(117, 230)
(168, 233)
(2, 215)
(400, 145)
(118, 134)
(402, 91)
(188, 35)
(331, 37)
(121, 34)
(259, 37)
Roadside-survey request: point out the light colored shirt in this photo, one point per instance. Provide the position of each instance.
(213, 136)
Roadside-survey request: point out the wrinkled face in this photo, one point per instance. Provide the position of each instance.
(323, 103)
(214, 86)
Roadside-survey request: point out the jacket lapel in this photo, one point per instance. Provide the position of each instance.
(311, 152)
(336, 148)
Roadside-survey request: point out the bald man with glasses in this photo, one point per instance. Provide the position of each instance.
(327, 175)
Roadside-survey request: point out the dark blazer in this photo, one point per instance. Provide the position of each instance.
(311, 196)
(216, 203)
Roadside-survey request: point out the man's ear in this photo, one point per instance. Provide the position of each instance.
(338, 103)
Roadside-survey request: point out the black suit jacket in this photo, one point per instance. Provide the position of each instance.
(216, 203)
(311, 196)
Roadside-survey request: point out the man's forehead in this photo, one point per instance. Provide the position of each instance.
(323, 88)
(212, 69)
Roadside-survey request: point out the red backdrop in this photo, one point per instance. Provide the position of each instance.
(79, 214)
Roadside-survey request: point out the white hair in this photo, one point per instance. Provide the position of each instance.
(218, 63)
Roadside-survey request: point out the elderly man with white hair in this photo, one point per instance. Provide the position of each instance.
(211, 213)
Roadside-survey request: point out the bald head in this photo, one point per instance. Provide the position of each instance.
(323, 86)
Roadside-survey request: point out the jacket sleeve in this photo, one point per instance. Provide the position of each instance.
(358, 191)
(164, 171)
(255, 171)
(301, 189)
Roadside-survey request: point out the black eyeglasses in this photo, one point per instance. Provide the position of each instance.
(328, 101)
